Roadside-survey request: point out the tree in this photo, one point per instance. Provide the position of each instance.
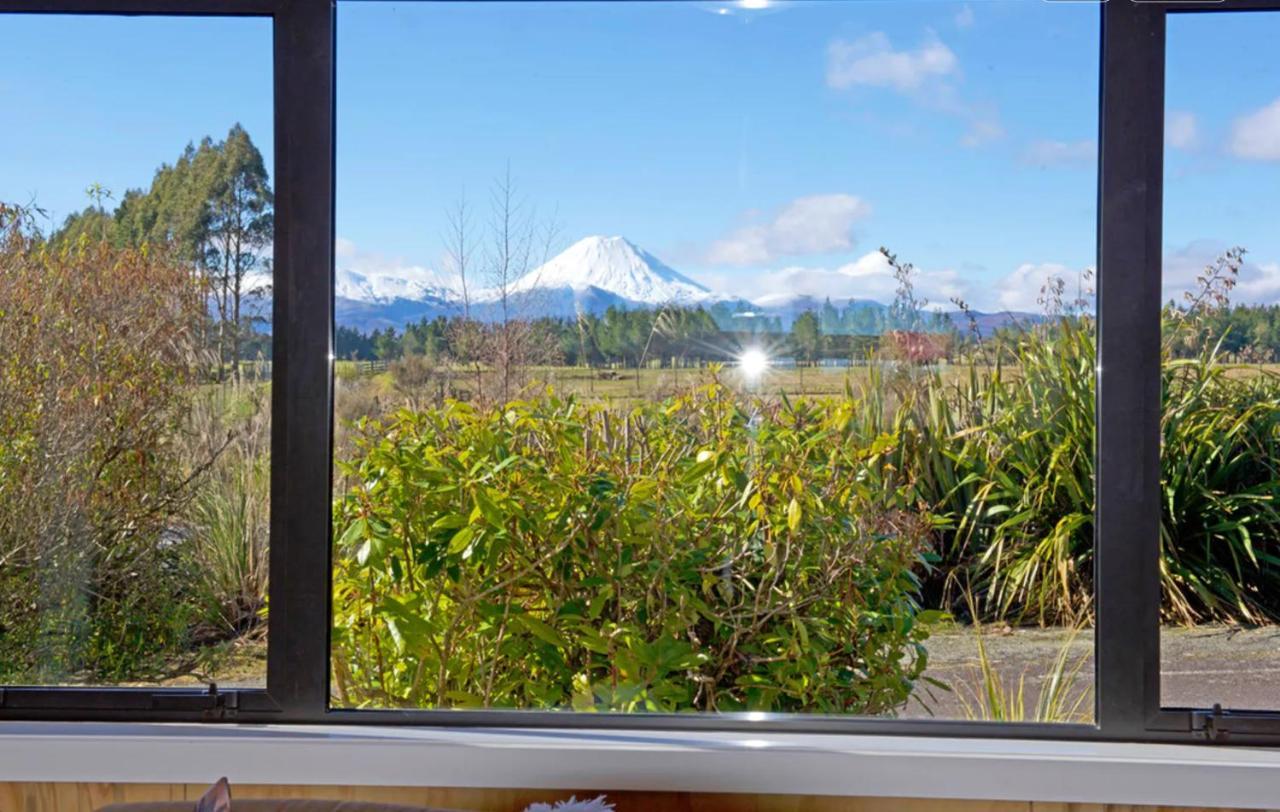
(238, 229)
(806, 339)
(386, 345)
(466, 335)
(213, 209)
(518, 243)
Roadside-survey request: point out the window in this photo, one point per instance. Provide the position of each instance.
(1218, 564)
(135, 310)
(644, 466)
(633, 415)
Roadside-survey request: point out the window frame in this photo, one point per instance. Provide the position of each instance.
(1127, 445)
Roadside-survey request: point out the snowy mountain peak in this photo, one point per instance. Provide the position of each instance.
(614, 265)
(381, 287)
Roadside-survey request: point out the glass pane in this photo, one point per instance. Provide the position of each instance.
(1221, 526)
(633, 415)
(135, 244)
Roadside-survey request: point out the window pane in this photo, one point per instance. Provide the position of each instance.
(633, 415)
(1220, 531)
(134, 316)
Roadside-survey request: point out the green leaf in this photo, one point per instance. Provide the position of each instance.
(542, 631)
(794, 515)
(354, 531)
(462, 539)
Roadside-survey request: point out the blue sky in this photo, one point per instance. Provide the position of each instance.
(756, 150)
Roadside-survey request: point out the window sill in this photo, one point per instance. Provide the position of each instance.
(867, 766)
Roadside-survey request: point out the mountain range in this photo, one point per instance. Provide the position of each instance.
(590, 276)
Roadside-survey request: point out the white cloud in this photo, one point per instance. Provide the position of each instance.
(1024, 289)
(1256, 136)
(1046, 152)
(817, 224)
(870, 277)
(867, 277)
(1181, 129)
(984, 127)
(928, 74)
(964, 17)
(1258, 282)
(872, 61)
(343, 248)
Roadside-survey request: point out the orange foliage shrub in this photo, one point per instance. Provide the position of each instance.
(98, 349)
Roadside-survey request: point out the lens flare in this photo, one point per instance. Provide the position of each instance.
(753, 362)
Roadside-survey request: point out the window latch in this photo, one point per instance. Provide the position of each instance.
(1213, 724)
(212, 704)
(1219, 725)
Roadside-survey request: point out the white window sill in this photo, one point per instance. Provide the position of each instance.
(868, 766)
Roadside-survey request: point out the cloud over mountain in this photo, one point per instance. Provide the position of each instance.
(817, 224)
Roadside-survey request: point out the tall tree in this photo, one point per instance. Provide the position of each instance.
(238, 229)
(213, 207)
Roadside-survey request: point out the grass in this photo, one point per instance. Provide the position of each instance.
(227, 521)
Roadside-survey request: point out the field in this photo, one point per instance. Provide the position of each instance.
(623, 384)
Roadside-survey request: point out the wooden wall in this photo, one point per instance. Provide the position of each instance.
(51, 797)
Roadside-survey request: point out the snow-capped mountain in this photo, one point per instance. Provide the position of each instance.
(378, 301)
(413, 283)
(612, 266)
(590, 276)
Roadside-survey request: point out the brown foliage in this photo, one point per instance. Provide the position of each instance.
(98, 349)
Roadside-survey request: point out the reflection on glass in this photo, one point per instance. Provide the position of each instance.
(1220, 530)
(135, 232)
(633, 415)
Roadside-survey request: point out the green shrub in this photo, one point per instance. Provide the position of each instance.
(1005, 457)
(707, 553)
(1220, 524)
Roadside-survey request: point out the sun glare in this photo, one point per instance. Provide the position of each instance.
(753, 362)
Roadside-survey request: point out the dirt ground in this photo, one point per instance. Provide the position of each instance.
(1239, 668)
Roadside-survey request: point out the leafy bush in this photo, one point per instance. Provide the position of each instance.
(1220, 480)
(1006, 455)
(93, 379)
(708, 553)
(1005, 458)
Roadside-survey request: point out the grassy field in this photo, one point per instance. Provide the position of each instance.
(627, 384)
(636, 384)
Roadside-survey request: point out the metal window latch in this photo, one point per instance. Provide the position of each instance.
(223, 704)
(212, 704)
(1213, 725)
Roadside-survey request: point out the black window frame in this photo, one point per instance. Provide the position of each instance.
(1127, 461)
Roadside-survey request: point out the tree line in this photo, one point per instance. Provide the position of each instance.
(213, 207)
(619, 336)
